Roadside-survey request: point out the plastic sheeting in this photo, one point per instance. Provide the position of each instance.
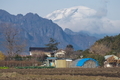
(85, 62)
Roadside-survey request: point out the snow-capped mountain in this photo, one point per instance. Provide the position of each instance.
(78, 12)
(82, 18)
(71, 17)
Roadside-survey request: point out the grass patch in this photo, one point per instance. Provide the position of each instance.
(4, 67)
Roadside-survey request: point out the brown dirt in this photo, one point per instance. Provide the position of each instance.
(61, 74)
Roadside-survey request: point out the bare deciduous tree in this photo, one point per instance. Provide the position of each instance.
(12, 43)
(68, 53)
(39, 55)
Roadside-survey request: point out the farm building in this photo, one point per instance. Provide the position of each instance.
(111, 61)
(69, 63)
(51, 61)
(85, 63)
(58, 63)
(63, 63)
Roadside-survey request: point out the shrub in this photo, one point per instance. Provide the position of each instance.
(18, 58)
(2, 56)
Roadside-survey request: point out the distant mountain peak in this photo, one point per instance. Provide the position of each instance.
(77, 11)
(68, 31)
(20, 15)
(3, 12)
(32, 14)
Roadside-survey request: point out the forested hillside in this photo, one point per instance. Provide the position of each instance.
(107, 45)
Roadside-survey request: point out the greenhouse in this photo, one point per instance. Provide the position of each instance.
(85, 63)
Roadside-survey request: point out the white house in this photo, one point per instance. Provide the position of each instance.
(60, 53)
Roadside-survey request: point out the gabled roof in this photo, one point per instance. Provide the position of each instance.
(39, 49)
(108, 56)
(60, 50)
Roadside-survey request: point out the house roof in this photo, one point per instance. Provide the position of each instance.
(51, 58)
(39, 49)
(60, 50)
(108, 56)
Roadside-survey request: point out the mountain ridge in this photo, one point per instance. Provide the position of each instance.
(37, 31)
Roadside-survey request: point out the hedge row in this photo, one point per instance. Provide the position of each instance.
(19, 63)
(34, 67)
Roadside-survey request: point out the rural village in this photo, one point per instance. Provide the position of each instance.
(59, 40)
(51, 56)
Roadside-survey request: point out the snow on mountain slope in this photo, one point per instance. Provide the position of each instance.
(74, 12)
(81, 18)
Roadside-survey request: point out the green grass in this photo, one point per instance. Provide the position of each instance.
(4, 67)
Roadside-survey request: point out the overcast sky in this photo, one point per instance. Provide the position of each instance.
(44, 7)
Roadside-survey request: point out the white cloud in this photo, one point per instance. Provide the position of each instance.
(85, 19)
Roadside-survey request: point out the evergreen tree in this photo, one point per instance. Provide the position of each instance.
(69, 46)
(52, 45)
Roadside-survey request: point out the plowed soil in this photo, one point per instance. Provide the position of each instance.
(107, 73)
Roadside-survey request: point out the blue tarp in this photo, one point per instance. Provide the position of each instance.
(82, 61)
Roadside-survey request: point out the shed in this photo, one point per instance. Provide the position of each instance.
(63, 63)
(85, 63)
(51, 61)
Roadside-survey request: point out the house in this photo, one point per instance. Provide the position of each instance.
(39, 51)
(60, 53)
(111, 61)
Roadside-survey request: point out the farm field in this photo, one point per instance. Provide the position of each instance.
(61, 74)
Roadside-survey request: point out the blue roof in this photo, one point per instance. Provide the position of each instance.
(82, 61)
(51, 58)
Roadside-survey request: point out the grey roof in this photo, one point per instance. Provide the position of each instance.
(39, 49)
(108, 56)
